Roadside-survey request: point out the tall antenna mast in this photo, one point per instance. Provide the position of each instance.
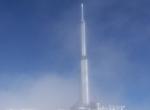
(85, 97)
(84, 63)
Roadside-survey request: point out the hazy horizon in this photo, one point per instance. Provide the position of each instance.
(40, 53)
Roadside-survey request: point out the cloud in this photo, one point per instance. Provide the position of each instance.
(45, 92)
(114, 29)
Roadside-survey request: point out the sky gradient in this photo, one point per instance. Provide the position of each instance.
(40, 52)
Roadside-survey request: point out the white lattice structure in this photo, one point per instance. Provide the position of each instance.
(85, 99)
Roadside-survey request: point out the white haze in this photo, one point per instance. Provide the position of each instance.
(107, 65)
(44, 92)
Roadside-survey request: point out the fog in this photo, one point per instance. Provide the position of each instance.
(44, 92)
(117, 34)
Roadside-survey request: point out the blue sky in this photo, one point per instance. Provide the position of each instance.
(40, 44)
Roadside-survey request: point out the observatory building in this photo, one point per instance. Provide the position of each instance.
(85, 103)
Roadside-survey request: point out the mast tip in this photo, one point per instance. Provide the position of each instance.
(82, 5)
